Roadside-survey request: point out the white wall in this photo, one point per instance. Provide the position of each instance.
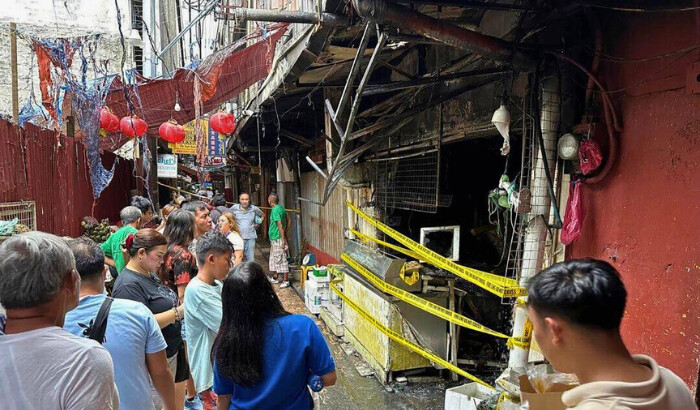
(50, 19)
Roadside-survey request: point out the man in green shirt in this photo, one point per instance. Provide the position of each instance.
(278, 241)
(112, 247)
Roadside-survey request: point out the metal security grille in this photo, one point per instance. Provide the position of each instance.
(24, 211)
(410, 182)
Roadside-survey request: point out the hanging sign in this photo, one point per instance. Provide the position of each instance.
(189, 145)
(216, 146)
(167, 166)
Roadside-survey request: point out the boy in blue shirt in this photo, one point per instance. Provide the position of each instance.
(203, 310)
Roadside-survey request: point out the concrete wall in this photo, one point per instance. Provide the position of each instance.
(643, 217)
(44, 18)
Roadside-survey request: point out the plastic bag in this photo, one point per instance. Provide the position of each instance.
(542, 380)
(574, 216)
(589, 156)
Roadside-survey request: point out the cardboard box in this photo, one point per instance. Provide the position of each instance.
(551, 400)
(467, 396)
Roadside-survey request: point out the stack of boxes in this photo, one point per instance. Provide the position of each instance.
(316, 289)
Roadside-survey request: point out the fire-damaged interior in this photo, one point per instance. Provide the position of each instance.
(448, 113)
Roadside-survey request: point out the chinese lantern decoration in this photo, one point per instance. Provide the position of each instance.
(133, 126)
(171, 131)
(108, 121)
(223, 123)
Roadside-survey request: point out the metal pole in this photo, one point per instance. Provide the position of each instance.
(355, 107)
(356, 63)
(13, 64)
(453, 329)
(205, 11)
(154, 52)
(534, 242)
(304, 17)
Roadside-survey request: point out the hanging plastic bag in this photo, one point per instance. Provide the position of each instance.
(573, 219)
(589, 156)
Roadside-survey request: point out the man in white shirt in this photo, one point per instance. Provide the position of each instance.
(576, 308)
(43, 366)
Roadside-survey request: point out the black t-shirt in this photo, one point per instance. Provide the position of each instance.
(156, 296)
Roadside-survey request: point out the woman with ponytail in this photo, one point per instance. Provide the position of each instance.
(139, 282)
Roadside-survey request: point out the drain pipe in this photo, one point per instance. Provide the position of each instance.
(494, 48)
(283, 16)
(536, 233)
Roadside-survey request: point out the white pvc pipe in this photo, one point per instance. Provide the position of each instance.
(536, 233)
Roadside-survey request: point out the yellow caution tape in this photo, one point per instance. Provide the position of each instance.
(405, 342)
(506, 396)
(366, 238)
(411, 277)
(428, 306)
(498, 285)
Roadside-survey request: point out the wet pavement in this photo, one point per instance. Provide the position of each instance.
(353, 391)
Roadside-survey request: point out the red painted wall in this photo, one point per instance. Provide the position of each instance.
(643, 217)
(322, 258)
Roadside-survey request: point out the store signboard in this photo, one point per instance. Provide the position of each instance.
(189, 145)
(167, 166)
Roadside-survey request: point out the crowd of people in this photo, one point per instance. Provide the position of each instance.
(194, 322)
(185, 300)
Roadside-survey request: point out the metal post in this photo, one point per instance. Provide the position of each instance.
(534, 241)
(13, 64)
(356, 63)
(355, 108)
(154, 52)
(453, 330)
(205, 11)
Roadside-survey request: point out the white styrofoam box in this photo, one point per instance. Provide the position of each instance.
(315, 296)
(318, 279)
(466, 396)
(312, 306)
(317, 286)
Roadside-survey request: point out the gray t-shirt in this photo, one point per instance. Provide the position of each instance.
(245, 218)
(50, 368)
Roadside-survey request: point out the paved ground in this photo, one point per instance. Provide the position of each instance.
(353, 391)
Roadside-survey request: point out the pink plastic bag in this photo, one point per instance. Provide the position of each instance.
(589, 156)
(573, 219)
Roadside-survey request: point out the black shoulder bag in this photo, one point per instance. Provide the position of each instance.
(98, 327)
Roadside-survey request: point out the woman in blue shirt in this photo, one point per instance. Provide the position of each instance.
(263, 356)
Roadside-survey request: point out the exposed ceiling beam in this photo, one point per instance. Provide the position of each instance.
(472, 4)
(296, 137)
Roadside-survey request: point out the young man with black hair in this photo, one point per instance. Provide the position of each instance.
(204, 310)
(576, 308)
(133, 337)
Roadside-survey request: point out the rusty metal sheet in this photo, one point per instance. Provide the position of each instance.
(34, 168)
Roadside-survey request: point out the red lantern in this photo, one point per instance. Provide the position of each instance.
(223, 123)
(171, 132)
(133, 126)
(108, 121)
